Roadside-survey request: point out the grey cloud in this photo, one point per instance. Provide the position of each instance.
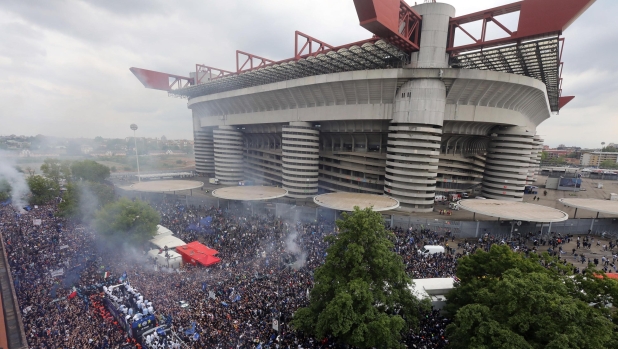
(68, 72)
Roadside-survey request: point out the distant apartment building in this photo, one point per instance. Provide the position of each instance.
(596, 158)
(556, 153)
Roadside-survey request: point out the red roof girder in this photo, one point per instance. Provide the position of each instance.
(537, 19)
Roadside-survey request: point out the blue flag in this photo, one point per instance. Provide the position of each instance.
(196, 336)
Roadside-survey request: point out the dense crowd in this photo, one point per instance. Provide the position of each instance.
(246, 301)
(54, 314)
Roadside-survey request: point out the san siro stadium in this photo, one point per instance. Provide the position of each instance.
(410, 113)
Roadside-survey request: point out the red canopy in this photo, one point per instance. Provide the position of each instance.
(195, 252)
(609, 275)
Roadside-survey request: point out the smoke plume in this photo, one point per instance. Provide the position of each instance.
(17, 181)
(291, 246)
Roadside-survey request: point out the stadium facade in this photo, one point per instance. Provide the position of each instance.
(407, 113)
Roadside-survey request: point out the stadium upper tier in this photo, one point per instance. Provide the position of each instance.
(410, 113)
(538, 59)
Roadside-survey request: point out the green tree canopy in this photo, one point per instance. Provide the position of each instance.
(5, 189)
(505, 300)
(608, 164)
(361, 295)
(133, 222)
(609, 149)
(43, 189)
(81, 200)
(56, 170)
(89, 170)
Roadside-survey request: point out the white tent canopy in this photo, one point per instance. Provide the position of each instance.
(163, 231)
(175, 260)
(167, 240)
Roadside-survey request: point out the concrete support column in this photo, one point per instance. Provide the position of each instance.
(300, 159)
(508, 162)
(228, 144)
(434, 34)
(204, 151)
(535, 160)
(414, 144)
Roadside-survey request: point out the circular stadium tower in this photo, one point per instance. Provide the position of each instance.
(410, 113)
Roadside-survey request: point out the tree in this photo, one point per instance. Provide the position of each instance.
(43, 189)
(505, 300)
(609, 149)
(361, 294)
(609, 164)
(133, 222)
(5, 190)
(89, 170)
(81, 200)
(544, 155)
(56, 170)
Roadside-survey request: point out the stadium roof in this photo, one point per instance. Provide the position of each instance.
(539, 59)
(370, 55)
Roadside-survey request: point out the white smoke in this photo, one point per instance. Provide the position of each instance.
(17, 181)
(88, 202)
(291, 246)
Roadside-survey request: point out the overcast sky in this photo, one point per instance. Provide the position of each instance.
(64, 64)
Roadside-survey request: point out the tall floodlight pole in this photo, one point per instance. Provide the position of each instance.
(134, 128)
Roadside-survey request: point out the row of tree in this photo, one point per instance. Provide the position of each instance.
(89, 199)
(503, 299)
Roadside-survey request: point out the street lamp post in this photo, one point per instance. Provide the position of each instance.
(134, 128)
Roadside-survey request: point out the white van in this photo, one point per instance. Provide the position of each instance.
(431, 249)
(453, 206)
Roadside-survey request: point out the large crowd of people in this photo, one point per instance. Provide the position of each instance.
(246, 301)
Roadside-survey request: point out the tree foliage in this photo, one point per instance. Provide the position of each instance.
(5, 189)
(43, 189)
(81, 200)
(56, 170)
(506, 300)
(361, 294)
(609, 149)
(608, 164)
(89, 170)
(133, 222)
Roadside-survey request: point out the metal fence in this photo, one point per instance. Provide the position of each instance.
(462, 229)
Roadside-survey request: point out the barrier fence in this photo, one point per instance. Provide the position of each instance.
(462, 229)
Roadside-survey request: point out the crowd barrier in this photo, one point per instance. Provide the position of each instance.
(461, 229)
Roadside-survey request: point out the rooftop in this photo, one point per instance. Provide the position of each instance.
(249, 193)
(344, 201)
(164, 186)
(595, 205)
(536, 59)
(364, 56)
(514, 210)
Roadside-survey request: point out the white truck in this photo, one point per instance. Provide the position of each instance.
(213, 180)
